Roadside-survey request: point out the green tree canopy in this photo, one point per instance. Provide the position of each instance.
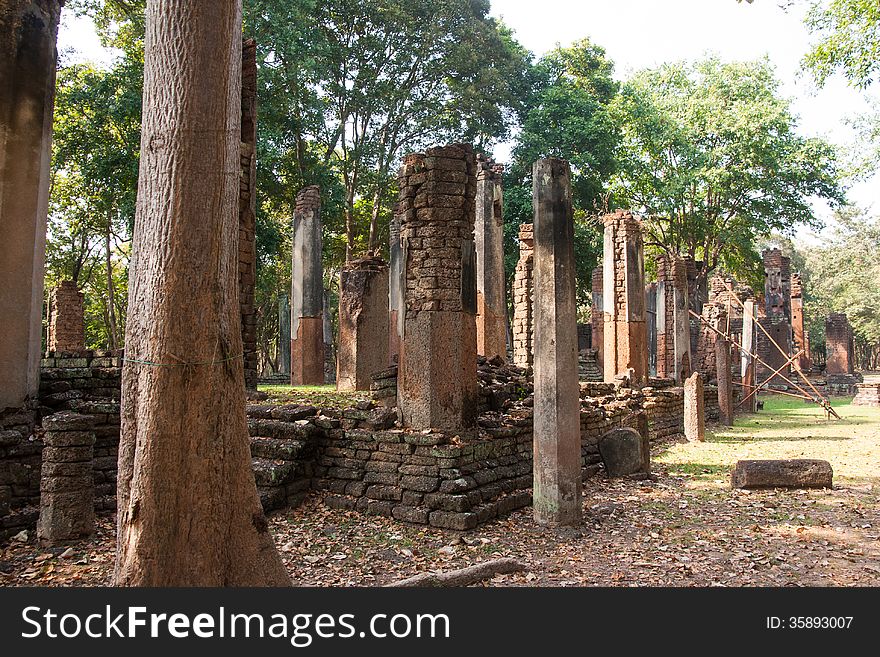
(849, 40)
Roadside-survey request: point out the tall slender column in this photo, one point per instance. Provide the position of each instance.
(489, 241)
(596, 317)
(557, 438)
(28, 30)
(395, 289)
(747, 363)
(307, 293)
(523, 293)
(723, 373)
(247, 212)
(673, 322)
(284, 334)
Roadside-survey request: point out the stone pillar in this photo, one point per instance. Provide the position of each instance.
(557, 434)
(363, 323)
(777, 284)
(27, 76)
(777, 319)
(723, 374)
(307, 292)
(523, 298)
(437, 376)
(626, 348)
(694, 408)
(284, 334)
(67, 487)
(395, 289)
(673, 320)
(247, 213)
(66, 323)
(596, 317)
(489, 241)
(329, 349)
(651, 326)
(747, 364)
(838, 344)
(800, 337)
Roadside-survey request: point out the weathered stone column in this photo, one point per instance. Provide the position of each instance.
(557, 432)
(28, 31)
(67, 487)
(395, 289)
(363, 323)
(723, 373)
(437, 376)
(673, 321)
(651, 326)
(66, 323)
(801, 339)
(247, 213)
(597, 318)
(777, 320)
(489, 241)
(523, 298)
(694, 408)
(747, 364)
(307, 292)
(284, 334)
(623, 277)
(838, 344)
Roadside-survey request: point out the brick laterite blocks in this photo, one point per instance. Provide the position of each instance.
(673, 321)
(623, 276)
(838, 344)
(799, 334)
(523, 298)
(437, 380)
(307, 293)
(66, 325)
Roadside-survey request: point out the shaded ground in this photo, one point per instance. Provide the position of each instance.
(687, 528)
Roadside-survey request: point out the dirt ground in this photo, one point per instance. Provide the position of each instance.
(686, 527)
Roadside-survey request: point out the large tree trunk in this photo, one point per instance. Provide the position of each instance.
(111, 294)
(188, 510)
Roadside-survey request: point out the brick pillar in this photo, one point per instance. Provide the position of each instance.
(27, 71)
(523, 293)
(557, 437)
(673, 320)
(747, 364)
(596, 318)
(395, 289)
(284, 334)
(67, 488)
(363, 323)
(651, 326)
(838, 344)
(307, 292)
(723, 373)
(623, 278)
(489, 241)
(801, 340)
(694, 408)
(437, 376)
(66, 323)
(777, 317)
(247, 212)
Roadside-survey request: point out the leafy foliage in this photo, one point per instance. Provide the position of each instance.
(849, 40)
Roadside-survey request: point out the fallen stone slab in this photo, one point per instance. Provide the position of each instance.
(625, 451)
(782, 473)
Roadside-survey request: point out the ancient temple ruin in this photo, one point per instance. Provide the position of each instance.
(489, 242)
(307, 292)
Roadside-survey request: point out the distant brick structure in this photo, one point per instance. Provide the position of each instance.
(523, 298)
(673, 321)
(247, 216)
(66, 323)
(838, 344)
(437, 376)
(625, 331)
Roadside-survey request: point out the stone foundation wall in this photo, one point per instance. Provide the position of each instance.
(20, 458)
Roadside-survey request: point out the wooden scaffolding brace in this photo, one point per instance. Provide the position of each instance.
(816, 398)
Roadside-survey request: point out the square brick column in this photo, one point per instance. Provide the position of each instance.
(247, 212)
(437, 377)
(838, 344)
(489, 241)
(557, 434)
(307, 293)
(673, 320)
(623, 276)
(363, 323)
(597, 318)
(66, 320)
(523, 298)
(27, 69)
(694, 408)
(801, 339)
(777, 319)
(747, 362)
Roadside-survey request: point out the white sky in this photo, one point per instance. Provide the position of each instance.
(645, 33)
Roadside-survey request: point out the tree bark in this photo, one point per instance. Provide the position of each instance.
(188, 510)
(111, 295)
(463, 576)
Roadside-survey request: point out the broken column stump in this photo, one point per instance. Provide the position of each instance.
(624, 452)
(557, 438)
(694, 408)
(307, 292)
(363, 323)
(67, 487)
(437, 373)
(782, 473)
(66, 323)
